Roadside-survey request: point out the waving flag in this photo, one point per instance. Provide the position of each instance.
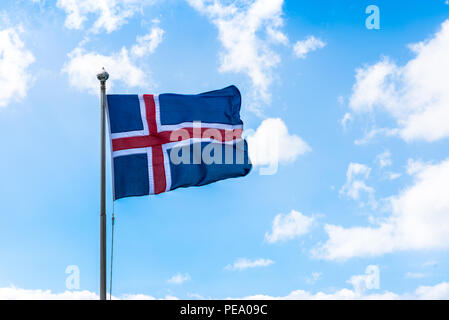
(167, 141)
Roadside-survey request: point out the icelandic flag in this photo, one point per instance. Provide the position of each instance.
(163, 142)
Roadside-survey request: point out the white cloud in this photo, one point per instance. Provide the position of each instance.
(179, 278)
(135, 297)
(367, 281)
(430, 263)
(271, 144)
(148, 43)
(289, 226)
(302, 48)
(342, 294)
(419, 220)
(415, 166)
(437, 292)
(243, 263)
(140, 296)
(242, 26)
(361, 285)
(375, 132)
(83, 66)
(393, 175)
(415, 275)
(277, 36)
(110, 15)
(13, 293)
(196, 296)
(313, 278)
(370, 88)
(355, 185)
(14, 62)
(384, 159)
(416, 95)
(347, 118)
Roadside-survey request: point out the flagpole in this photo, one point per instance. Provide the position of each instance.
(103, 76)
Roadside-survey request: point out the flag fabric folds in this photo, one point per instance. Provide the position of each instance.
(163, 142)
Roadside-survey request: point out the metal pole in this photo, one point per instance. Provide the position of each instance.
(103, 76)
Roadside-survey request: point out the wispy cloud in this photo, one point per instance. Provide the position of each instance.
(110, 15)
(15, 60)
(384, 159)
(179, 278)
(122, 65)
(302, 48)
(243, 263)
(148, 43)
(415, 275)
(435, 292)
(369, 280)
(83, 66)
(356, 186)
(247, 31)
(315, 276)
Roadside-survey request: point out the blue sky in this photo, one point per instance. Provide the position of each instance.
(357, 208)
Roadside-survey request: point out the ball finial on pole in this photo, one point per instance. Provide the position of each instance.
(103, 75)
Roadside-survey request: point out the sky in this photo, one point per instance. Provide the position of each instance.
(345, 109)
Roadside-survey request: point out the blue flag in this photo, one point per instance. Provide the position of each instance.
(164, 142)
